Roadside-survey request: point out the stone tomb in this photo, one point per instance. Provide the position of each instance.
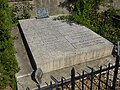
(57, 44)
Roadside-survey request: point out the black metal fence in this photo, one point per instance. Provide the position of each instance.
(104, 78)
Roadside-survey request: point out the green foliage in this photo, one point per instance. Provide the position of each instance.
(20, 10)
(26, 15)
(85, 12)
(8, 63)
(5, 23)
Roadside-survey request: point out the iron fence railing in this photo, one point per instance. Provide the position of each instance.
(104, 78)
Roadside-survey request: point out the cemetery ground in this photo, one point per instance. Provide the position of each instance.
(24, 62)
(26, 69)
(65, 71)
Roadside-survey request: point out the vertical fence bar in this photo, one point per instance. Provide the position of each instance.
(83, 80)
(91, 79)
(73, 79)
(99, 78)
(115, 72)
(116, 67)
(62, 83)
(107, 77)
(51, 85)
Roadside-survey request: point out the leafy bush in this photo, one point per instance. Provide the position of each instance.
(21, 10)
(85, 12)
(8, 63)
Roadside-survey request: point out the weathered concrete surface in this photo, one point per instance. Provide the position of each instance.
(56, 44)
(21, 55)
(65, 72)
(23, 77)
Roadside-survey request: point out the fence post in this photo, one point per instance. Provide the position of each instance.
(51, 88)
(107, 77)
(73, 79)
(62, 83)
(116, 67)
(115, 73)
(99, 78)
(83, 80)
(91, 79)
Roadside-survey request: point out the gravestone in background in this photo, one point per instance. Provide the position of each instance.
(42, 13)
(53, 6)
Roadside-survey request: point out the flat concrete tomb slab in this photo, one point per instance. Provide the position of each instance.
(56, 44)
